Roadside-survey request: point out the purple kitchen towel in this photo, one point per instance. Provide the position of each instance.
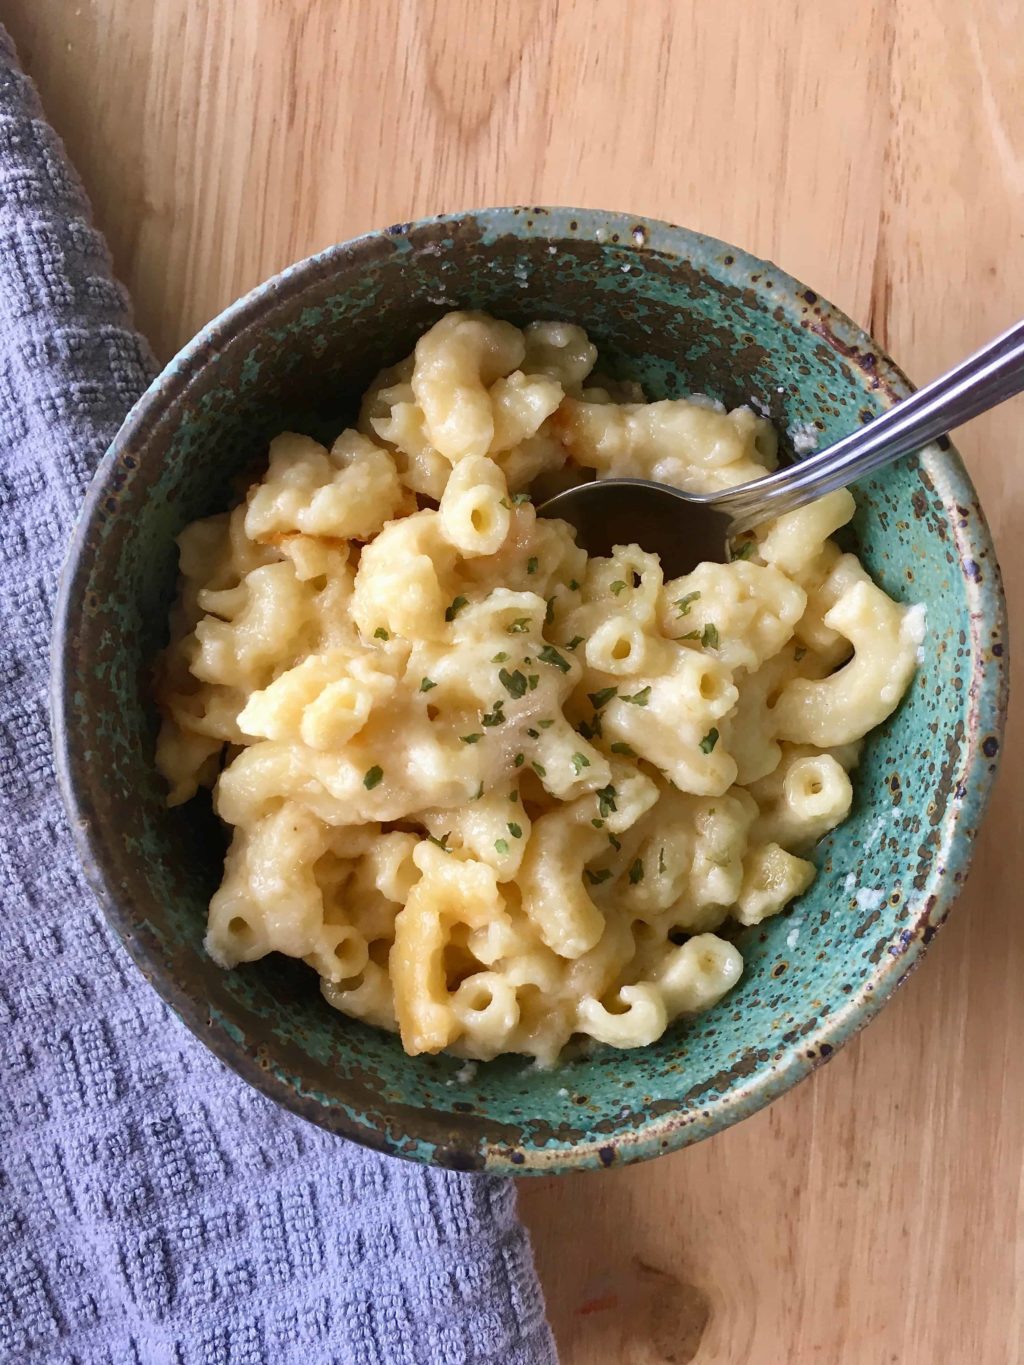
(152, 1207)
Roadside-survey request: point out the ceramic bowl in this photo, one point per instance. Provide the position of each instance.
(679, 312)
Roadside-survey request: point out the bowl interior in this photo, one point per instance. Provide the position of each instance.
(679, 313)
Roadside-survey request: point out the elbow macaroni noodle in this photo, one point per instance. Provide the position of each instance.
(495, 793)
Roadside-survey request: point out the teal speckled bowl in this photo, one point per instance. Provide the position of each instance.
(680, 312)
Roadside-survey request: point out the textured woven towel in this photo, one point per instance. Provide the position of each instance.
(152, 1208)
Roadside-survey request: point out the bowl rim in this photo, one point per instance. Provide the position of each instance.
(987, 695)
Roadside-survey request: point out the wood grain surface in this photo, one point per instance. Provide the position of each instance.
(876, 150)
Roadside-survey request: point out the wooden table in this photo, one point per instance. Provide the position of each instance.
(875, 150)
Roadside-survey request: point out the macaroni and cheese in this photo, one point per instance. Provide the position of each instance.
(496, 793)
